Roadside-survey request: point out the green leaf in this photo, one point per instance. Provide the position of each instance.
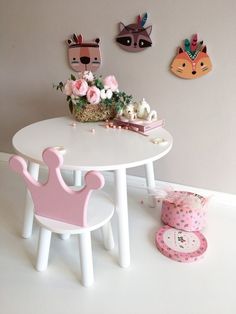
(60, 86)
(98, 83)
(81, 102)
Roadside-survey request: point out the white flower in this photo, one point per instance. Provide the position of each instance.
(109, 93)
(106, 94)
(74, 98)
(103, 94)
(88, 76)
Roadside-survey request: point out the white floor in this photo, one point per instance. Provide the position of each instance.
(152, 284)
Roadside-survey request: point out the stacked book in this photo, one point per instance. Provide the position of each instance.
(139, 125)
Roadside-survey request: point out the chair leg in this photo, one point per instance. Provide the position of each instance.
(43, 249)
(86, 259)
(108, 236)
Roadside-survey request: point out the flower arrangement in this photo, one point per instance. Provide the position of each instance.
(94, 92)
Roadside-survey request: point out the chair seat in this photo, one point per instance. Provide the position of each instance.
(100, 210)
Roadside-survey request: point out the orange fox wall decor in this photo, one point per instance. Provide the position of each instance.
(134, 37)
(192, 61)
(83, 56)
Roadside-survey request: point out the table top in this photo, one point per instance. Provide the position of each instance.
(87, 149)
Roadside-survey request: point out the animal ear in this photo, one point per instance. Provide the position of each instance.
(179, 50)
(149, 29)
(204, 49)
(121, 26)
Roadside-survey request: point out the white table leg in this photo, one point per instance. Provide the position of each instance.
(77, 181)
(122, 213)
(150, 178)
(33, 169)
(77, 177)
(150, 181)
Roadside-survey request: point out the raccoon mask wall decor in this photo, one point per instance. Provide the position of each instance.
(83, 56)
(134, 37)
(192, 61)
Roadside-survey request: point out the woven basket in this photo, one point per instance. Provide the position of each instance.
(93, 113)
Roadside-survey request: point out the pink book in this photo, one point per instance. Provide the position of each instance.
(139, 124)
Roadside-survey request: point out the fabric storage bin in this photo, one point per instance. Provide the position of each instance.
(184, 210)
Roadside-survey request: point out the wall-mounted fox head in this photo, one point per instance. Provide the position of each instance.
(192, 61)
(134, 37)
(83, 56)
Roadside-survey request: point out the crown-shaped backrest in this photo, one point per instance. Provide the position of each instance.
(54, 199)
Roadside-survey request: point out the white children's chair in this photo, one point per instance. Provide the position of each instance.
(63, 210)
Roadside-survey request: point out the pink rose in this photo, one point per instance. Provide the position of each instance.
(68, 88)
(110, 82)
(80, 87)
(93, 95)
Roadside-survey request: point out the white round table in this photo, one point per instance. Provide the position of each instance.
(91, 146)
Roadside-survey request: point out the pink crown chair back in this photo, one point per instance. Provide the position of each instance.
(54, 199)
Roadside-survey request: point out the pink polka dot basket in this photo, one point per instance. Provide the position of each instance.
(184, 210)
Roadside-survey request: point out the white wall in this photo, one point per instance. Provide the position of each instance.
(199, 113)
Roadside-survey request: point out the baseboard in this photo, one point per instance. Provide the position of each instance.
(4, 156)
(140, 183)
